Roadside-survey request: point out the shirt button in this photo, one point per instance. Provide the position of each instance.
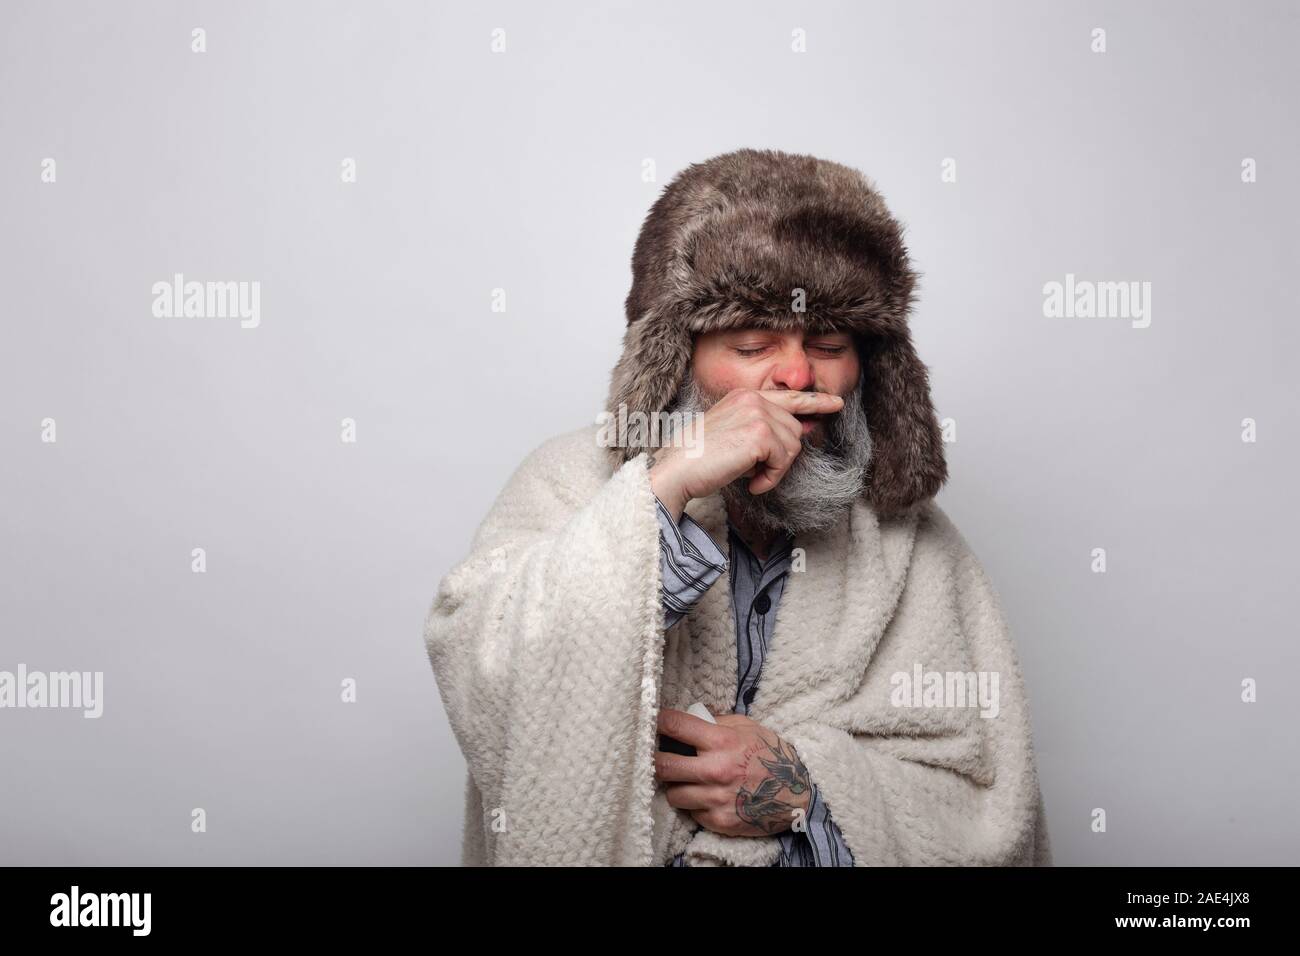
(749, 695)
(763, 604)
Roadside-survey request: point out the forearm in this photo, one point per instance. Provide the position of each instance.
(690, 563)
(543, 640)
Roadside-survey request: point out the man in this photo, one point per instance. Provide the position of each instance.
(755, 367)
(767, 333)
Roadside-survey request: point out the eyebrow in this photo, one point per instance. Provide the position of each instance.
(760, 330)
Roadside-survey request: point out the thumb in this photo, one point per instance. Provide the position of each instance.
(763, 482)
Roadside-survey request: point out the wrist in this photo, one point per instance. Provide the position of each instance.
(667, 487)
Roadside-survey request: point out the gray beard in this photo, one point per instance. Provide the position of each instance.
(822, 483)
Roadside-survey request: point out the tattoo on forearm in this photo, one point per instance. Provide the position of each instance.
(760, 807)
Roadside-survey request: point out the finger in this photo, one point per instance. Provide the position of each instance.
(776, 463)
(789, 430)
(801, 402)
(784, 423)
(693, 796)
(767, 480)
(690, 729)
(705, 818)
(677, 768)
(792, 445)
(766, 477)
(796, 424)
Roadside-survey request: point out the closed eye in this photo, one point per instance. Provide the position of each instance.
(828, 349)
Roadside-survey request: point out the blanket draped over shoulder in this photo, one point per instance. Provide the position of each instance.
(552, 661)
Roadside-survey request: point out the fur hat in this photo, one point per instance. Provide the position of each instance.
(729, 242)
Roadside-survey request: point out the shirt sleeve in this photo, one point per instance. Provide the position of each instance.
(691, 562)
(821, 843)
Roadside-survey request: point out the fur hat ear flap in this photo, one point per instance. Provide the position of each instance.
(907, 460)
(656, 356)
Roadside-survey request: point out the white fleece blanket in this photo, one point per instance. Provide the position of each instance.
(552, 661)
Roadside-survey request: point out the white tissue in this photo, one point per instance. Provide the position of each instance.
(700, 711)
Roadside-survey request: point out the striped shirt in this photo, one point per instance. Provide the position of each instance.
(691, 562)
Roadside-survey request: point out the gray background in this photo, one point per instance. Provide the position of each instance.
(522, 170)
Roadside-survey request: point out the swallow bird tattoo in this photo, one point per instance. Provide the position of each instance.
(760, 806)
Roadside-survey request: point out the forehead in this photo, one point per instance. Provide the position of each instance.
(802, 334)
(819, 330)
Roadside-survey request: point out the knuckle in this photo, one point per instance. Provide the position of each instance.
(730, 775)
(717, 774)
